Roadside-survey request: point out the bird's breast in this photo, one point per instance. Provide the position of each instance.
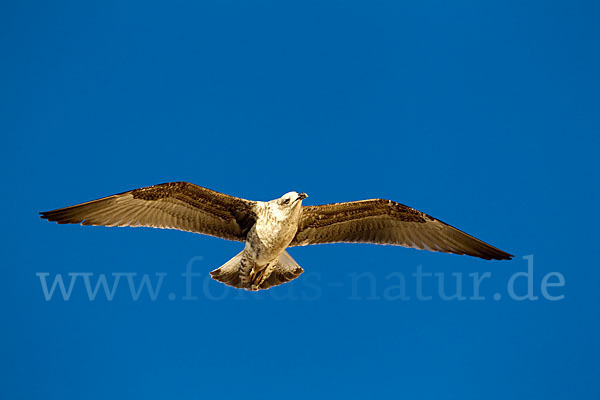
(269, 237)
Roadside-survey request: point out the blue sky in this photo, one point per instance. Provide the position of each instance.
(483, 115)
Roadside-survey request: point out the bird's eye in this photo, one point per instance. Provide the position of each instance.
(286, 201)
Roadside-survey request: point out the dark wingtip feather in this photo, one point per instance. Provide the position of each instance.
(505, 256)
(60, 216)
(496, 254)
(45, 215)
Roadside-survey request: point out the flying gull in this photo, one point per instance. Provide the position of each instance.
(268, 228)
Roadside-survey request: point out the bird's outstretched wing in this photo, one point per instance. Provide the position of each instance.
(387, 222)
(174, 205)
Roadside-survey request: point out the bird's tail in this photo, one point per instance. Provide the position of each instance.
(238, 272)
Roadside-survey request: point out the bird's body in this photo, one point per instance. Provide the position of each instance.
(274, 230)
(269, 228)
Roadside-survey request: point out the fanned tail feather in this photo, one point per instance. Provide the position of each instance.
(237, 273)
(229, 273)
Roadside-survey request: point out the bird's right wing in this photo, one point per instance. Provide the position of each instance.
(382, 221)
(174, 205)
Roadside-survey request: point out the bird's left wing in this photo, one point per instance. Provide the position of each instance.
(386, 222)
(174, 205)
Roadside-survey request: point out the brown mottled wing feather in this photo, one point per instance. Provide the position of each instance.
(175, 205)
(387, 222)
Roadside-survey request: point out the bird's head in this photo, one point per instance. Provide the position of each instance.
(290, 201)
